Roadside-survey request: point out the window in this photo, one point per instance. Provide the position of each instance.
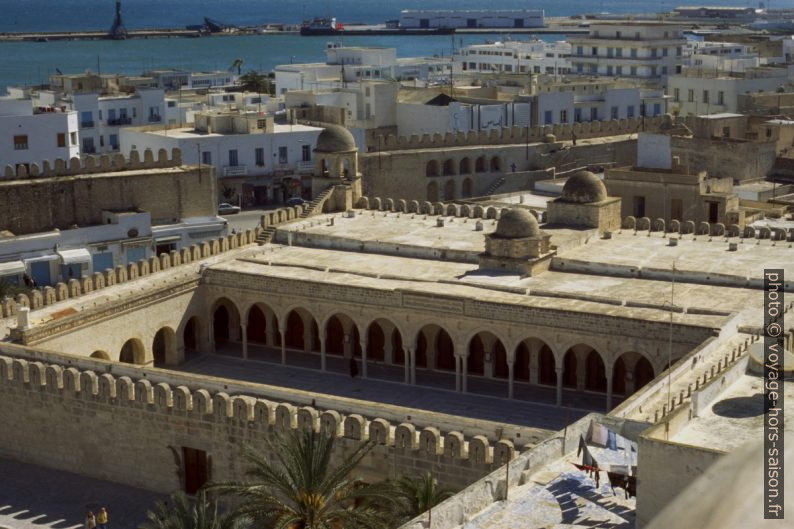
(609, 70)
(614, 113)
(593, 68)
(594, 114)
(664, 52)
(259, 154)
(678, 51)
(657, 109)
(633, 71)
(171, 104)
(87, 119)
(653, 71)
(768, 132)
(113, 139)
(630, 111)
(135, 111)
(610, 52)
(111, 116)
(705, 96)
(577, 115)
(206, 158)
(633, 53)
(594, 51)
(306, 153)
(579, 50)
(100, 115)
(547, 119)
(563, 116)
(61, 139)
(639, 206)
(617, 34)
(282, 155)
(720, 97)
(20, 143)
(73, 138)
(618, 51)
(619, 70)
(233, 157)
(726, 132)
(690, 96)
(101, 141)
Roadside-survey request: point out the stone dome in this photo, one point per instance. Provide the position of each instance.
(584, 187)
(335, 139)
(517, 224)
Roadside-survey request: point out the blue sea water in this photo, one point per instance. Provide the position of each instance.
(31, 62)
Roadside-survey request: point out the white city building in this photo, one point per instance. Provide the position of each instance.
(176, 79)
(346, 65)
(604, 104)
(520, 57)
(704, 91)
(257, 161)
(443, 18)
(59, 255)
(724, 56)
(31, 135)
(646, 50)
(102, 117)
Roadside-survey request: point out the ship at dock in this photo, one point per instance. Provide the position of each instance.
(329, 26)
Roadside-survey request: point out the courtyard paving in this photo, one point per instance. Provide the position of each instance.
(486, 399)
(33, 497)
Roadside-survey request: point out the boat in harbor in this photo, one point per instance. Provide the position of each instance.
(329, 26)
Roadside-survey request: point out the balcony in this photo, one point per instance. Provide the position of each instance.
(235, 170)
(119, 121)
(155, 119)
(89, 149)
(86, 124)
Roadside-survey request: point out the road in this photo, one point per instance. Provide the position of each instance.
(248, 218)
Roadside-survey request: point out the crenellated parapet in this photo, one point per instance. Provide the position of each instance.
(514, 135)
(457, 459)
(105, 163)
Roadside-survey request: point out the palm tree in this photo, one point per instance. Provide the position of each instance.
(418, 494)
(255, 82)
(237, 63)
(186, 514)
(302, 489)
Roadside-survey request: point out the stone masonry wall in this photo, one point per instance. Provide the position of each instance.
(130, 430)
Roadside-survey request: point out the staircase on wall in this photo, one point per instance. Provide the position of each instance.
(493, 187)
(312, 208)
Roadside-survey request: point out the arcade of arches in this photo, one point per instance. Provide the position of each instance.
(433, 348)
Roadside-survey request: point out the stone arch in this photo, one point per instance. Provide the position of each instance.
(431, 169)
(434, 348)
(449, 189)
(191, 337)
(102, 355)
(133, 352)
(398, 354)
(381, 341)
(547, 366)
(261, 323)
(569, 368)
(496, 164)
(432, 192)
(467, 189)
(301, 331)
(225, 321)
(449, 167)
(164, 348)
(595, 372)
(631, 371)
(341, 336)
(479, 165)
(486, 348)
(464, 167)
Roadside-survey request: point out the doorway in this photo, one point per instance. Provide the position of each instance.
(196, 472)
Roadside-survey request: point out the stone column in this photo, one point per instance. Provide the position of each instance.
(412, 354)
(211, 335)
(488, 358)
(322, 351)
(363, 342)
(347, 346)
(388, 351)
(534, 363)
(457, 372)
(464, 361)
(282, 327)
(407, 364)
(510, 363)
(558, 370)
(244, 336)
(307, 338)
(629, 383)
(609, 392)
(269, 326)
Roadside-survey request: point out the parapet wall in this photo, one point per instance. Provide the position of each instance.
(513, 135)
(131, 430)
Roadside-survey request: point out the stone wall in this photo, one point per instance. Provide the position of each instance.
(128, 429)
(739, 160)
(62, 196)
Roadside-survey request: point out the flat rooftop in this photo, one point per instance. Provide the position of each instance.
(735, 417)
(191, 133)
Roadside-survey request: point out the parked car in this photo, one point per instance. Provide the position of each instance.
(295, 201)
(227, 209)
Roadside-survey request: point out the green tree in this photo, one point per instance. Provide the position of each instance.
(184, 513)
(255, 82)
(237, 64)
(307, 486)
(418, 494)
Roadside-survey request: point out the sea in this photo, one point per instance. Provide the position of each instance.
(30, 63)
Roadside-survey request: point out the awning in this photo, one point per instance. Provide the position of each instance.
(80, 255)
(42, 258)
(12, 268)
(172, 238)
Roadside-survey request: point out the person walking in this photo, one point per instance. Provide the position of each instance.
(102, 519)
(90, 521)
